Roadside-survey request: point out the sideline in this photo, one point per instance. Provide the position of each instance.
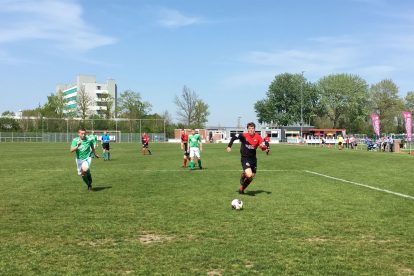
(362, 185)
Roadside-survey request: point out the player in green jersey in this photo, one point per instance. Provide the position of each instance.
(83, 148)
(196, 146)
(94, 139)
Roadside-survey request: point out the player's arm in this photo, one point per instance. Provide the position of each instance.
(262, 144)
(75, 146)
(93, 150)
(237, 136)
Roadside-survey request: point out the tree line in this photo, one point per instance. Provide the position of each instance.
(192, 111)
(334, 101)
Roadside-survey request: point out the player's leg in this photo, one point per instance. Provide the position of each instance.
(249, 169)
(108, 152)
(86, 173)
(199, 160)
(192, 153)
(185, 160)
(104, 151)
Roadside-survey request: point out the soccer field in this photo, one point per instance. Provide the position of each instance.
(309, 211)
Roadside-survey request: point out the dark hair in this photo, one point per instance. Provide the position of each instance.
(81, 129)
(251, 124)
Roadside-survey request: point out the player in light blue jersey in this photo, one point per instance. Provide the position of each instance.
(105, 139)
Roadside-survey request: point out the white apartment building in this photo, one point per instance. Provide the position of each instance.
(97, 92)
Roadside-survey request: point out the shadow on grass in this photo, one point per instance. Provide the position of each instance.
(254, 193)
(98, 189)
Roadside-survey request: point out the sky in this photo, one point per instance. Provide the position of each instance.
(228, 52)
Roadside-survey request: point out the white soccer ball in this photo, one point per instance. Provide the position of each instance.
(237, 204)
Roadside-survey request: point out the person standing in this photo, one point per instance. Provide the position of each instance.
(196, 146)
(83, 148)
(94, 139)
(184, 146)
(267, 143)
(250, 141)
(105, 140)
(145, 144)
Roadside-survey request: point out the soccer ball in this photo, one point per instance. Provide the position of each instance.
(237, 204)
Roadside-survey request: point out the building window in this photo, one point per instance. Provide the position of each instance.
(98, 87)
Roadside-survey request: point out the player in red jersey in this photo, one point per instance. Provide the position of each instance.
(249, 143)
(184, 146)
(145, 142)
(267, 143)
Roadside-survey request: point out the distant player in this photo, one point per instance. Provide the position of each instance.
(94, 139)
(196, 146)
(145, 144)
(184, 146)
(105, 140)
(267, 143)
(83, 148)
(249, 143)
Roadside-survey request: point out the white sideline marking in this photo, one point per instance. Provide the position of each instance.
(362, 185)
(212, 170)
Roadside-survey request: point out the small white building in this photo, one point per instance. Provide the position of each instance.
(97, 92)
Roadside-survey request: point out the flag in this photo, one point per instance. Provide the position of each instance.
(375, 123)
(408, 125)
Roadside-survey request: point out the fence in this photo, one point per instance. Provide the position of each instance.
(40, 129)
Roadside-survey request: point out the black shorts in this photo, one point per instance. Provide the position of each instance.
(186, 153)
(105, 146)
(249, 163)
(145, 145)
(340, 143)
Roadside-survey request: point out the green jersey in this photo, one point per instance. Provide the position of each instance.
(194, 140)
(84, 150)
(93, 138)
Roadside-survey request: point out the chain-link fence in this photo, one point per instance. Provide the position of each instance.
(64, 130)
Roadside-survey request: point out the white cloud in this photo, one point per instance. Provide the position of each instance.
(174, 19)
(56, 21)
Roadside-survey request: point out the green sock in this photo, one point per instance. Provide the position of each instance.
(192, 164)
(109, 155)
(199, 163)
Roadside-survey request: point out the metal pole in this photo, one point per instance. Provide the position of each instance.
(165, 135)
(301, 107)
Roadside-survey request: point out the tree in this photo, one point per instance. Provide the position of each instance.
(192, 111)
(131, 106)
(54, 106)
(8, 113)
(201, 111)
(84, 101)
(385, 101)
(286, 96)
(409, 101)
(107, 101)
(344, 99)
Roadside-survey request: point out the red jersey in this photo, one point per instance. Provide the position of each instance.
(184, 138)
(249, 144)
(267, 139)
(145, 139)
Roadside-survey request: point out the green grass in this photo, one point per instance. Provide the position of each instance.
(150, 216)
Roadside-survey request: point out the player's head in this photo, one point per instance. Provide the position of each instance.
(193, 131)
(92, 132)
(105, 131)
(81, 133)
(251, 128)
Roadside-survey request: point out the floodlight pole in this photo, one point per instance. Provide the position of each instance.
(301, 106)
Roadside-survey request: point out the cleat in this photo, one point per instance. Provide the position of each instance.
(241, 192)
(90, 189)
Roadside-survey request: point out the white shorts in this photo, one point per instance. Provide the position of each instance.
(79, 163)
(194, 151)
